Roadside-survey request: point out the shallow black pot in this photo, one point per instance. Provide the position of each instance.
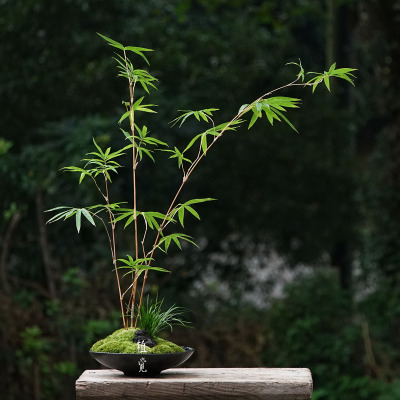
(143, 363)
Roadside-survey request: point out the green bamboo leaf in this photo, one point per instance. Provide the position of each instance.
(88, 216)
(300, 75)
(204, 143)
(154, 142)
(73, 169)
(193, 211)
(228, 126)
(314, 87)
(167, 243)
(209, 111)
(327, 84)
(270, 115)
(124, 116)
(155, 223)
(175, 237)
(123, 215)
(56, 208)
(78, 219)
(241, 109)
(147, 109)
(345, 71)
(253, 120)
(286, 120)
(129, 221)
(288, 102)
(197, 201)
(123, 65)
(56, 217)
(181, 215)
(156, 269)
(70, 213)
(112, 206)
(176, 240)
(202, 115)
(137, 103)
(276, 106)
(139, 51)
(182, 118)
(148, 153)
(143, 131)
(344, 75)
(115, 154)
(93, 160)
(157, 214)
(197, 114)
(107, 175)
(101, 154)
(149, 220)
(112, 42)
(192, 142)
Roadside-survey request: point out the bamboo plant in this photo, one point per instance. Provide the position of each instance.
(100, 164)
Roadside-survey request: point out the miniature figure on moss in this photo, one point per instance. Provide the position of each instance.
(155, 231)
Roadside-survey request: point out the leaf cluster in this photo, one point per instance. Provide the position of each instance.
(101, 163)
(139, 265)
(342, 73)
(126, 68)
(205, 114)
(203, 138)
(136, 106)
(272, 107)
(69, 212)
(158, 221)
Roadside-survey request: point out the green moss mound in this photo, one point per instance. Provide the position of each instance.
(121, 341)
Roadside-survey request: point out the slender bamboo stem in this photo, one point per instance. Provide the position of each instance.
(134, 165)
(113, 250)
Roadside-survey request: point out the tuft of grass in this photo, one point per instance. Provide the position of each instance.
(153, 319)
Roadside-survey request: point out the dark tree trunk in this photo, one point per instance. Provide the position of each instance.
(48, 263)
(5, 249)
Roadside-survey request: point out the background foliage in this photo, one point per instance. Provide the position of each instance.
(302, 245)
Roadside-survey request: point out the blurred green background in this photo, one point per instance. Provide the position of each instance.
(298, 263)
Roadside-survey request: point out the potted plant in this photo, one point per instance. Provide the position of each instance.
(136, 348)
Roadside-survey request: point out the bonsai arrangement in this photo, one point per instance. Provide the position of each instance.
(157, 231)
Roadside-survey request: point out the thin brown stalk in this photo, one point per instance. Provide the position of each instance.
(113, 250)
(134, 165)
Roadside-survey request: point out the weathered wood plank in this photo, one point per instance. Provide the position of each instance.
(198, 384)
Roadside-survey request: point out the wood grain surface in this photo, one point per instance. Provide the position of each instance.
(198, 384)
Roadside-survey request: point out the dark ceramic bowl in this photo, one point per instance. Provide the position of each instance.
(142, 364)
